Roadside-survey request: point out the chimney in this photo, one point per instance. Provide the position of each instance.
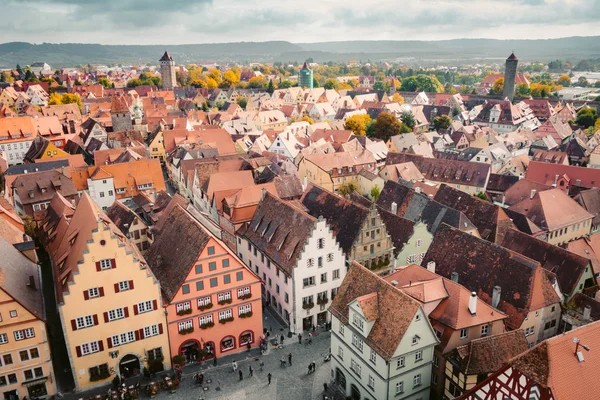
(431, 266)
(394, 283)
(418, 190)
(454, 277)
(532, 194)
(473, 303)
(263, 193)
(394, 208)
(587, 313)
(555, 181)
(496, 296)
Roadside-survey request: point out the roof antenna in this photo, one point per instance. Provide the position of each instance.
(578, 353)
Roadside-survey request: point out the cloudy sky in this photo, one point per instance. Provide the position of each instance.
(206, 21)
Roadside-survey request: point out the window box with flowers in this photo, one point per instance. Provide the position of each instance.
(245, 296)
(206, 306)
(225, 301)
(322, 301)
(246, 314)
(308, 306)
(184, 312)
(186, 331)
(226, 320)
(207, 325)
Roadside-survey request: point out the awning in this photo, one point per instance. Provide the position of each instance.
(36, 381)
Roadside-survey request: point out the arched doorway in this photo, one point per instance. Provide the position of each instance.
(354, 392)
(189, 350)
(340, 380)
(129, 366)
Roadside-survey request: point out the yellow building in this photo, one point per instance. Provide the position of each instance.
(42, 149)
(157, 147)
(108, 300)
(25, 362)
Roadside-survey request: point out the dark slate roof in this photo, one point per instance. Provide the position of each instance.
(37, 149)
(580, 301)
(488, 354)
(166, 57)
(590, 200)
(394, 309)
(343, 216)
(568, 267)
(122, 216)
(176, 249)
(431, 111)
(395, 193)
(288, 186)
(449, 171)
(481, 265)
(37, 167)
(501, 183)
(487, 217)
(400, 229)
(522, 223)
(279, 230)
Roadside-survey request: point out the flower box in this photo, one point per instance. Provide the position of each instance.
(207, 325)
(246, 315)
(225, 320)
(226, 301)
(245, 296)
(322, 301)
(308, 306)
(186, 331)
(184, 312)
(205, 307)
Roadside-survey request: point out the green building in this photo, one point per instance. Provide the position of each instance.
(305, 77)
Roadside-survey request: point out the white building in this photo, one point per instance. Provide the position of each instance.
(381, 340)
(298, 259)
(101, 188)
(286, 144)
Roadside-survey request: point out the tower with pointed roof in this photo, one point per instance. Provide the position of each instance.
(510, 75)
(167, 71)
(120, 114)
(305, 77)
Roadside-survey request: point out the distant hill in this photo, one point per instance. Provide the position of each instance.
(418, 52)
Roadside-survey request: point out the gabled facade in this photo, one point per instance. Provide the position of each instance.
(298, 259)
(381, 340)
(108, 300)
(213, 301)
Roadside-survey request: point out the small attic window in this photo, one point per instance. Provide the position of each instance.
(103, 242)
(418, 317)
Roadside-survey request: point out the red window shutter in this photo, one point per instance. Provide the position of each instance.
(137, 335)
(105, 317)
(154, 305)
(98, 268)
(160, 329)
(86, 295)
(101, 290)
(74, 324)
(78, 350)
(100, 345)
(95, 319)
(142, 335)
(116, 288)
(113, 263)
(109, 343)
(135, 309)
(130, 285)
(126, 311)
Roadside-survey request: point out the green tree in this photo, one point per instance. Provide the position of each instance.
(30, 76)
(134, 83)
(408, 119)
(422, 83)
(242, 102)
(316, 83)
(347, 188)
(498, 86)
(105, 82)
(375, 192)
(386, 125)
(523, 90)
(270, 87)
(441, 122)
(586, 117)
(285, 84)
(564, 80)
(358, 124)
(330, 84)
(69, 98)
(19, 69)
(583, 82)
(257, 82)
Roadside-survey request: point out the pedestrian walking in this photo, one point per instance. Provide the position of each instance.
(314, 366)
(300, 338)
(290, 359)
(310, 336)
(234, 364)
(215, 362)
(282, 362)
(309, 368)
(282, 338)
(250, 370)
(269, 378)
(241, 375)
(248, 345)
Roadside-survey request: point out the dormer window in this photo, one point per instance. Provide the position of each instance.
(358, 321)
(415, 340)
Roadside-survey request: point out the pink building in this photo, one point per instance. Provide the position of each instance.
(213, 301)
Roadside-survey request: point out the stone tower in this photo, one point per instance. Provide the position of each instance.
(120, 113)
(510, 75)
(167, 71)
(305, 77)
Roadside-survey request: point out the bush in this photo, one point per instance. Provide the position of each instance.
(178, 359)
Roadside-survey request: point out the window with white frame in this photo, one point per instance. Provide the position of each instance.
(123, 286)
(358, 321)
(151, 330)
(202, 301)
(321, 243)
(183, 306)
(93, 292)
(341, 329)
(117, 313)
(145, 306)
(182, 326)
(417, 380)
(485, 330)
(84, 322)
(464, 333)
(29, 333)
(3, 338)
(225, 314)
(243, 291)
(419, 355)
(246, 308)
(415, 340)
(399, 387)
(105, 264)
(373, 356)
(335, 274)
(371, 382)
(19, 335)
(205, 319)
(123, 338)
(89, 348)
(330, 257)
(341, 352)
(357, 341)
(310, 262)
(224, 296)
(400, 363)
(354, 366)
